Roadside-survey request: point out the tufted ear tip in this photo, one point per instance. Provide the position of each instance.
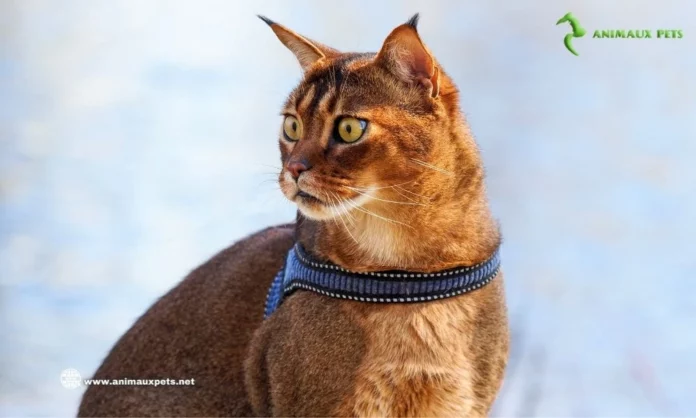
(405, 56)
(268, 21)
(306, 51)
(413, 21)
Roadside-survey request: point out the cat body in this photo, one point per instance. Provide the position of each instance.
(386, 176)
(442, 358)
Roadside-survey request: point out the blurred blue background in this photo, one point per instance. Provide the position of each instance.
(136, 139)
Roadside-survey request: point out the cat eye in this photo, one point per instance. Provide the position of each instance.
(292, 128)
(350, 129)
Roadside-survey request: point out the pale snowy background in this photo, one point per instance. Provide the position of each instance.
(135, 138)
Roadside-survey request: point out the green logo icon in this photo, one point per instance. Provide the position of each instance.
(577, 32)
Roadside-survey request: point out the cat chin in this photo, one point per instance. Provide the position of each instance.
(316, 215)
(321, 212)
(317, 211)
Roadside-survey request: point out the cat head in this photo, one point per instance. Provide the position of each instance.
(366, 131)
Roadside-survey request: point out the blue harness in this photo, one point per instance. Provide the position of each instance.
(300, 271)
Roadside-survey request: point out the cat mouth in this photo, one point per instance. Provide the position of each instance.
(307, 198)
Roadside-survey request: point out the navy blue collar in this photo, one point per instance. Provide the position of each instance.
(300, 271)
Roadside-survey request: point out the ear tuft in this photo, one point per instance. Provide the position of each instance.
(268, 21)
(404, 55)
(413, 22)
(306, 51)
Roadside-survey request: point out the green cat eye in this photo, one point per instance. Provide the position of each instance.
(292, 128)
(350, 129)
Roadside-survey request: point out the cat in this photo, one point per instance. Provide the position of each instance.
(386, 176)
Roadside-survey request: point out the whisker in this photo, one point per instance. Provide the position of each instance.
(432, 167)
(349, 216)
(384, 187)
(334, 211)
(361, 209)
(344, 83)
(347, 229)
(272, 181)
(386, 200)
(411, 199)
(413, 193)
(395, 187)
(271, 166)
(409, 192)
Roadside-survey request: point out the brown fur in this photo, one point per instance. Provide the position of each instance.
(199, 330)
(408, 195)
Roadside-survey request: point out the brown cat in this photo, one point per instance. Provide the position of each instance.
(386, 176)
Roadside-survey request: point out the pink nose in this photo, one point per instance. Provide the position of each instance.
(296, 168)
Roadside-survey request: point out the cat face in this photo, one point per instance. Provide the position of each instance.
(360, 129)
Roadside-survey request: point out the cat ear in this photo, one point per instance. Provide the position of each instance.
(405, 56)
(307, 51)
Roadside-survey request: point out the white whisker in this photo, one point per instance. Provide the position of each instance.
(432, 167)
(361, 209)
(272, 166)
(340, 216)
(386, 200)
(383, 187)
(410, 199)
(347, 229)
(334, 211)
(409, 192)
(349, 216)
(412, 193)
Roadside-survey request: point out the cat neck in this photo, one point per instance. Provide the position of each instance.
(441, 222)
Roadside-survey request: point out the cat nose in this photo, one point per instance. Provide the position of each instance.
(295, 168)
